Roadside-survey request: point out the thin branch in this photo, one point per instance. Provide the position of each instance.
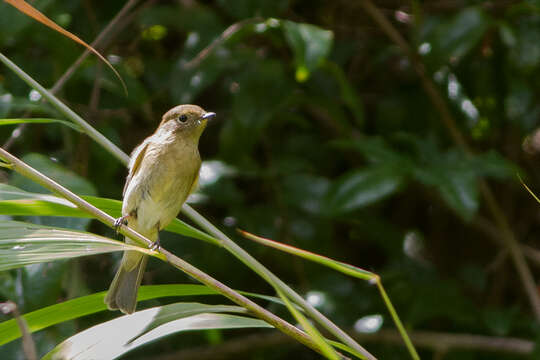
(225, 35)
(507, 235)
(20, 167)
(435, 341)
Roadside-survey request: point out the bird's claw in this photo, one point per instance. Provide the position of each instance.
(123, 220)
(155, 245)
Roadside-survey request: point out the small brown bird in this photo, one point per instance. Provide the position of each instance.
(163, 171)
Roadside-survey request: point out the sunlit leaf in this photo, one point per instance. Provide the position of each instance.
(114, 338)
(90, 304)
(23, 243)
(14, 201)
(180, 310)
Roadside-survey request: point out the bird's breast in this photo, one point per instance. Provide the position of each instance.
(162, 184)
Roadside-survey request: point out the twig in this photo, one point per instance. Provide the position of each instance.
(436, 341)
(507, 235)
(27, 171)
(28, 345)
(225, 35)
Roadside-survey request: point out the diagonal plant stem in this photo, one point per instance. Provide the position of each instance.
(25, 170)
(267, 275)
(70, 114)
(346, 269)
(104, 35)
(507, 235)
(224, 240)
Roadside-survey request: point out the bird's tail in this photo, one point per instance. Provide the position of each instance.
(122, 294)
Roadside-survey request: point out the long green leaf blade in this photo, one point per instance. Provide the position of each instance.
(114, 338)
(343, 268)
(90, 304)
(14, 201)
(40, 121)
(308, 255)
(326, 349)
(24, 243)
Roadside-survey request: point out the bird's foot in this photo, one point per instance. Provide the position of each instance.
(155, 246)
(123, 220)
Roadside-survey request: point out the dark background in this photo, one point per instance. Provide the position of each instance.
(378, 155)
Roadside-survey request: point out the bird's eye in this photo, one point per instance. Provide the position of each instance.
(182, 118)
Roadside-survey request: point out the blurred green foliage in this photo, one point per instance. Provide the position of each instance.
(325, 140)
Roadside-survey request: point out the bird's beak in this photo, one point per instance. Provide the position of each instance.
(208, 116)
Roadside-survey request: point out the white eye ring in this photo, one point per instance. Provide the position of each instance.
(182, 118)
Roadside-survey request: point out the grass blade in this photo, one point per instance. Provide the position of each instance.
(326, 349)
(14, 201)
(40, 121)
(346, 269)
(24, 243)
(114, 338)
(90, 304)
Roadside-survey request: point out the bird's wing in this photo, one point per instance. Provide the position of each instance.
(135, 162)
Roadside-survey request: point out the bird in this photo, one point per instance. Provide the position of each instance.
(163, 171)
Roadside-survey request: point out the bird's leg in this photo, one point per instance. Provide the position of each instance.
(156, 244)
(123, 220)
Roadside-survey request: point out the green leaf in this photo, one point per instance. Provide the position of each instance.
(59, 173)
(456, 181)
(454, 39)
(364, 187)
(90, 304)
(180, 310)
(40, 121)
(456, 175)
(14, 201)
(24, 243)
(376, 150)
(114, 338)
(347, 91)
(305, 191)
(346, 269)
(242, 9)
(262, 94)
(310, 44)
(523, 40)
(55, 171)
(342, 267)
(460, 191)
